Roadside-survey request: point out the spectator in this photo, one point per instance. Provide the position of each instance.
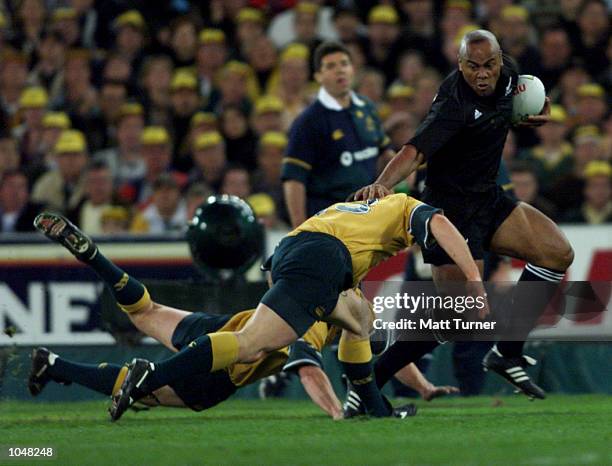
(130, 37)
(236, 182)
(305, 24)
(16, 211)
(410, 68)
(78, 97)
(117, 69)
(195, 197)
(30, 20)
(53, 124)
(291, 84)
(267, 178)
(597, 206)
(592, 42)
(267, 115)
(98, 196)
(399, 98)
(13, 75)
(65, 21)
(62, 188)
(566, 193)
(167, 211)
(552, 158)
(516, 39)
(47, 72)
(240, 141)
(32, 105)
(183, 41)
(400, 127)
(249, 28)
(265, 210)
(9, 155)
(209, 160)
(211, 55)
(262, 56)
(555, 53)
(282, 28)
(115, 220)
(592, 105)
(237, 86)
(156, 151)
(155, 83)
(184, 100)
(124, 160)
(526, 189)
(347, 25)
(382, 40)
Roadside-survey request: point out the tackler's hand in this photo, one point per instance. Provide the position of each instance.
(538, 120)
(372, 191)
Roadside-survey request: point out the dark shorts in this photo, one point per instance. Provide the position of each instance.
(309, 271)
(202, 391)
(476, 216)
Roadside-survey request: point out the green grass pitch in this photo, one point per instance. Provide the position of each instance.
(562, 430)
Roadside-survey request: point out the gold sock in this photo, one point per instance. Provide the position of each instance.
(224, 349)
(119, 380)
(143, 303)
(354, 351)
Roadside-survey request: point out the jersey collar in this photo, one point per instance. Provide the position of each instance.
(332, 104)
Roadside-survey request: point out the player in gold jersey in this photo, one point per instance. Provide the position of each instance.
(175, 329)
(327, 255)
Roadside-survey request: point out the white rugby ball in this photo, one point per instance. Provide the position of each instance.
(528, 97)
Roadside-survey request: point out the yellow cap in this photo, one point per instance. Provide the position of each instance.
(262, 204)
(463, 31)
(400, 91)
(202, 117)
(558, 113)
(268, 103)
(235, 66)
(211, 36)
(591, 90)
(154, 135)
(71, 140)
(56, 120)
(458, 4)
(207, 139)
(130, 109)
(183, 79)
(130, 18)
(116, 213)
(250, 14)
(597, 168)
(33, 97)
(60, 14)
(515, 11)
(295, 51)
(307, 7)
(274, 138)
(588, 132)
(383, 14)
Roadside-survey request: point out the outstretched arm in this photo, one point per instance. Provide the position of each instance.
(449, 239)
(319, 388)
(403, 164)
(411, 376)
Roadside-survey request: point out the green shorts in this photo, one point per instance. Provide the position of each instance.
(204, 390)
(309, 271)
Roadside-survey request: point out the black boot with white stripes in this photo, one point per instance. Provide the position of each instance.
(513, 370)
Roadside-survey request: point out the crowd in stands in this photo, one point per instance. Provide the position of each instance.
(126, 115)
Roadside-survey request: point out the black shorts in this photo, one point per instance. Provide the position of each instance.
(309, 271)
(201, 391)
(476, 216)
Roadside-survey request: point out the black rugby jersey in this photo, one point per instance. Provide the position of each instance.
(463, 135)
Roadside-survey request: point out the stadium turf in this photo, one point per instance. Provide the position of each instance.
(568, 430)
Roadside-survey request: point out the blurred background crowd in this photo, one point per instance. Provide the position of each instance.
(126, 115)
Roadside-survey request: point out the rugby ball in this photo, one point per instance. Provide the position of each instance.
(528, 97)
